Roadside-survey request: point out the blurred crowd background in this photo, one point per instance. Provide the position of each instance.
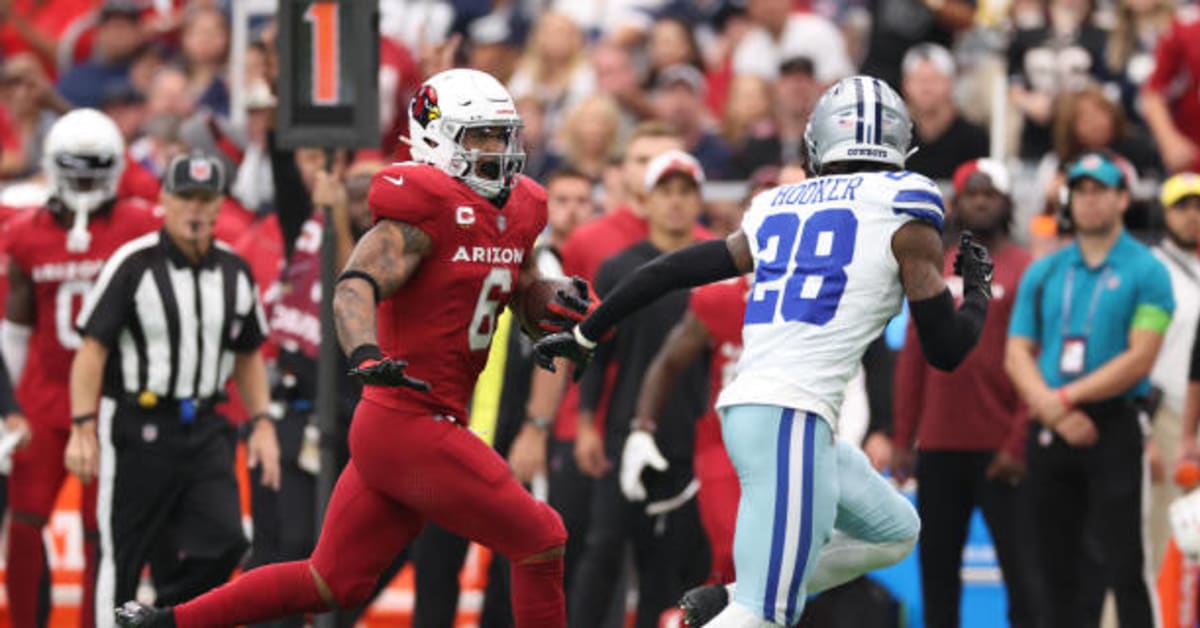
(1031, 84)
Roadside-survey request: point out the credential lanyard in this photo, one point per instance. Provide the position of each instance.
(1068, 289)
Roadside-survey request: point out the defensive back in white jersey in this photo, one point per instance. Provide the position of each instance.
(825, 284)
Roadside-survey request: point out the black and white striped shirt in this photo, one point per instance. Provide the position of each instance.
(172, 327)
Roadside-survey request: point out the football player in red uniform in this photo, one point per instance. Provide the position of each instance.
(55, 254)
(416, 308)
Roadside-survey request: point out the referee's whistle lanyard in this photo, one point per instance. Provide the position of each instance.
(1073, 358)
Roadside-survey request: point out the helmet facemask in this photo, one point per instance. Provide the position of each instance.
(488, 156)
(84, 184)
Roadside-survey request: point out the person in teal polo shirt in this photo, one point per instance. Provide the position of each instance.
(1085, 331)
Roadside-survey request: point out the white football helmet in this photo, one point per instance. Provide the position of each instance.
(83, 157)
(452, 104)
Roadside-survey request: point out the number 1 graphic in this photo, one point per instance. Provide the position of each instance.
(323, 16)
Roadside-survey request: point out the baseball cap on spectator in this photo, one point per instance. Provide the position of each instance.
(673, 162)
(493, 29)
(682, 74)
(129, 9)
(994, 170)
(1179, 187)
(797, 65)
(196, 173)
(1098, 167)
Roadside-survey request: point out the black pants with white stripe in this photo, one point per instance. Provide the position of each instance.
(168, 498)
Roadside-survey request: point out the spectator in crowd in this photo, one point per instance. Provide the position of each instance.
(568, 205)
(671, 42)
(679, 101)
(1180, 196)
(118, 37)
(748, 114)
(617, 75)
(898, 25)
(1062, 56)
(1085, 331)
(126, 107)
(205, 43)
(492, 46)
(796, 90)
(664, 529)
(144, 66)
(554, 67)
(944, 138)
(1087, 120)
(1129, 57)
(1171, 96)
(539, 158)
(590, 136)
(32, 106)
(570, 482)
(974, 459)
(780, 34)
(169, 94)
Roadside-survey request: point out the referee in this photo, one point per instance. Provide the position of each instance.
(171, 317)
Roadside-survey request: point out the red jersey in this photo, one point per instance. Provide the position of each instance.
(37, 244)
(930, 410)
(6, 213)
(720, 307)
(442, 320)
(1177, 72)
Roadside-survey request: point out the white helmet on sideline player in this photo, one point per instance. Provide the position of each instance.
(448, 106)
(859, 118)
(83, 156)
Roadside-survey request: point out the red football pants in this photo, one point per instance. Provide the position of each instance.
(718, 497)
(37, 475)
(404, 470)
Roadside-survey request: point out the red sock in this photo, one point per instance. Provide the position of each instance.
(537, 594)
(269, 592)
(26, 556)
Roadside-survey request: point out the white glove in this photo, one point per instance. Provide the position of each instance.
(639, 452)
(1185, 523)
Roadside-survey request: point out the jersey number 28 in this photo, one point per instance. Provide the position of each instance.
(811, 291)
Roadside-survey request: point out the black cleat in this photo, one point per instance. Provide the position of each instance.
(702, 604)
(137, 615)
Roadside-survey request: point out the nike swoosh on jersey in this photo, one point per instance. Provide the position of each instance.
(394, 180)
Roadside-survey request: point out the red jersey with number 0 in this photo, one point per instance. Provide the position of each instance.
(37, 245)
(442, 320)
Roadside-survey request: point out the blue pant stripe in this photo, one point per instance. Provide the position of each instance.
(806, 514)
(779, 533)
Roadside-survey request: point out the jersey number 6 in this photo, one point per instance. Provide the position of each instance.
(483, 321)
(814, 286)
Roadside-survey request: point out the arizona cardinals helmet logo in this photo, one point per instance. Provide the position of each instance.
(425, 106)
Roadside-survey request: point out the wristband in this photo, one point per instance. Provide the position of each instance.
(260, 416)
(365, 352)
(644, 424)
(83, 418)
(540, 422)
(582, 340)
(1062, 398)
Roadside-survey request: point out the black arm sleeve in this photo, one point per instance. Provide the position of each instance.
(879, 366)
(693, 266)
(947, 336)
(292, 203)
(8, 399)
(591, 385)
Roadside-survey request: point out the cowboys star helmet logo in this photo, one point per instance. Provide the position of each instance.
(425, 106)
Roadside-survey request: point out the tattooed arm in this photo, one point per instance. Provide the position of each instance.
(390, 253)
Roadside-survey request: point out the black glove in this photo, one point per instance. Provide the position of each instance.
(974, 265)
(569, 309)
(375, 370)
(561, 345)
